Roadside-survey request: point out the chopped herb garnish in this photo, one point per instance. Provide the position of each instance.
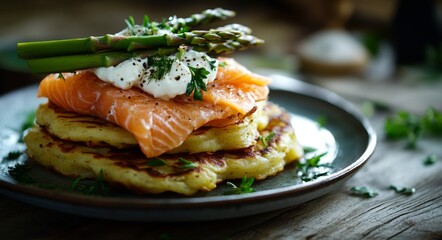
(363, 192)
(265, 140)
(98, 187)
(146, 21)
(60, 75)
(21, 173)
(321, 121)
(312, 169)
(162, 67)
(430, 159)
(13, 155)
(187, 164)
(404, 125)
(222, 64)
(245, 186)
(432, 121)
(153, 162)
(180, 53)
(29, 121)
(211, 64)
(404, 190)
(197, 83)
(130, 22)
(309, 149)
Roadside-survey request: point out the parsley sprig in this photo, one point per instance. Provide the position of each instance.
(363, 191)
(311, 168)
(21, 173)
(197, 83)
(97, 187)
(405, 125)
(430, 160)
(245, 186)
(162, 66)
(13, 155)
(403, 190)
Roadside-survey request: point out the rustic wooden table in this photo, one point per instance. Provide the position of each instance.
(338, 215)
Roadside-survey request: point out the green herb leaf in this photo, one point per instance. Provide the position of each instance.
(404, 125)
(430, 159)
(211, 64)
(363, 192)
(187, 164)
(180, 53)
(404, 190)
(130, 22)
(222, 64)
(266, 140)
(60, 75)
(314, 161)
(13, 155)
(153, 162)
(29, 121)
(309, 149)
(310, 169)
(98, 187)
(197, 83)
(321, 121)
(162, 66)
(146, 21)
(21, 173)
(432, 122)
(245, 187)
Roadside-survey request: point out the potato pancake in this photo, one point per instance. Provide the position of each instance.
(95, 132)
(183, 173)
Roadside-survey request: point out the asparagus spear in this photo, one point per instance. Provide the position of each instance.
(29, 50)
(207, 16)
(103, 51)
(71, 63)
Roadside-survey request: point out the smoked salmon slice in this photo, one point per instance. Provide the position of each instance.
(158, 125)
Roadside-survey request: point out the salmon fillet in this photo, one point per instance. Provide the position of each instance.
(158, 125)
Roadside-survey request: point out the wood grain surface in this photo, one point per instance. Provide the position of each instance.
(338, 215)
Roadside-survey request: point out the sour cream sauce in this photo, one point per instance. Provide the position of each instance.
(136, 72)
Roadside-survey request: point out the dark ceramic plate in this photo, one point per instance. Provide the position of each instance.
(347, 138)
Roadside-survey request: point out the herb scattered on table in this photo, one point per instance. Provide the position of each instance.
(405, 125)
(403, 190)
(430, 160)
(363, 191)
(245, 186)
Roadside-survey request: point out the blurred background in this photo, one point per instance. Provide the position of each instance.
(333, 43)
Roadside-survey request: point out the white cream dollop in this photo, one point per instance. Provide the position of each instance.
(137, 72)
